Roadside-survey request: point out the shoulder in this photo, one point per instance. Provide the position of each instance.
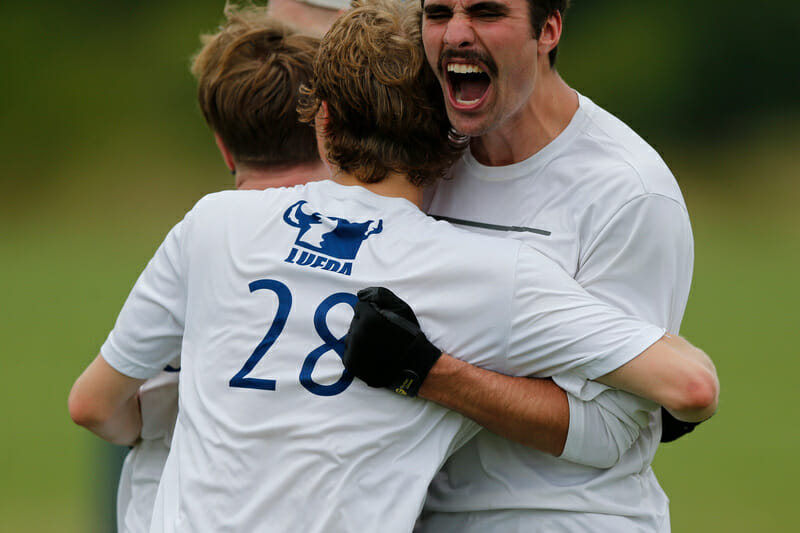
(241, 206)
(447, 253)
(622, 158)
(467, 238)
(222, 201)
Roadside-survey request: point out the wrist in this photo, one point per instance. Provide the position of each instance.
(440, 374)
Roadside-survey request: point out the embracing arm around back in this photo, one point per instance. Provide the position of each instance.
(530, 411)
(535, 411)
(383, 347)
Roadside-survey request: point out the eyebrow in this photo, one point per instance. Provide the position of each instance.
(488, 5)
(436, 8)
(478, 7)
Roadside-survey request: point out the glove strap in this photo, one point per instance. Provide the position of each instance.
(422, 355)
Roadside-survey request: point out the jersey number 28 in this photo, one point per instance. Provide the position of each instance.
(320, 325)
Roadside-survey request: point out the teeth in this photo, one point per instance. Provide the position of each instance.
(461, 68)
(467, 102)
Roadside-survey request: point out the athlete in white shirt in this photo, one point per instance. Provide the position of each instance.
(600, 203)
(549, 167)
(252, 81)
(273, 433)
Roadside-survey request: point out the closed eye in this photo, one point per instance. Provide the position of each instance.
(488, 11)
(437, 12)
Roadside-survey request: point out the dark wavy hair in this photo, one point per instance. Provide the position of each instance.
(539, 11)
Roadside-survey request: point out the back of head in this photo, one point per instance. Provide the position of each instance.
(385, 108)
(249, 74)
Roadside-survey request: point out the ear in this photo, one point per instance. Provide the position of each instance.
(321, 121)
(551, 34)
(226, 154)
(322, 118)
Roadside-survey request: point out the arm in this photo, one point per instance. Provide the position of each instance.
(535, 412)
(105, 402)
(531, 411)
(147, 335)
(674, 374)
(641, 262)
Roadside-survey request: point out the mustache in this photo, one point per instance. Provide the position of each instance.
(468, 55)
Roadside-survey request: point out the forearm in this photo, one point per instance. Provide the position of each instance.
(674, 374)
(123, 427)
(533, 412)
(105, 402)
(704, 385)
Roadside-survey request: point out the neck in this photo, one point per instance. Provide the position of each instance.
(394, 186)
(543, 117)
(248, 178)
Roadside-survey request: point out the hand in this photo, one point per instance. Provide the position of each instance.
(385, 346)
(672, 428)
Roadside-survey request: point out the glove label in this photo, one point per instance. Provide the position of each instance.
(409, 384)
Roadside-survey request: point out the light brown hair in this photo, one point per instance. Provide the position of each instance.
(249, 74)
(385, 108)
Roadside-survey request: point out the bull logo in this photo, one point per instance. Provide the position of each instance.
(329, 243)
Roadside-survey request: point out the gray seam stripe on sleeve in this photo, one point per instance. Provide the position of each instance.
(490, 226)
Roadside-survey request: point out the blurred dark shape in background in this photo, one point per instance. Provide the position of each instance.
(693, 70)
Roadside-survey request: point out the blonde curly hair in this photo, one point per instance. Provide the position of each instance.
(385, 107)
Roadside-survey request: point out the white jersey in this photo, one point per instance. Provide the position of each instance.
(255, 290)
(142, 468)
(602, 204)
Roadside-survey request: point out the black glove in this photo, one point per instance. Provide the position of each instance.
(384, 345)
(672, 428)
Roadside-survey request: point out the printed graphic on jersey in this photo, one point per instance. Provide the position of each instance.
(329, 243)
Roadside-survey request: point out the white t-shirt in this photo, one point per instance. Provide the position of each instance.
(254, 290)
(142, 468)
(603, 205)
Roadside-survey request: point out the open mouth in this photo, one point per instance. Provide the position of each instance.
(468, 83)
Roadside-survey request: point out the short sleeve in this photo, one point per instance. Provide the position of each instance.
(149, 329)
(614, 419)
(641, 261)
(558, 327)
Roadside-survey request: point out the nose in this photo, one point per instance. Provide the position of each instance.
(459, 32)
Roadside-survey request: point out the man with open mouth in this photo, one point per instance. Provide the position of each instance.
(548, 166)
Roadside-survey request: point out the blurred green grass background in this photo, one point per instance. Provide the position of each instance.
(104, 150)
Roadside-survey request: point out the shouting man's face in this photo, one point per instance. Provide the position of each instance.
(485, 56)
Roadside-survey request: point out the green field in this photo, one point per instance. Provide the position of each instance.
(738, 472)
(70, 256)
(104, 149)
